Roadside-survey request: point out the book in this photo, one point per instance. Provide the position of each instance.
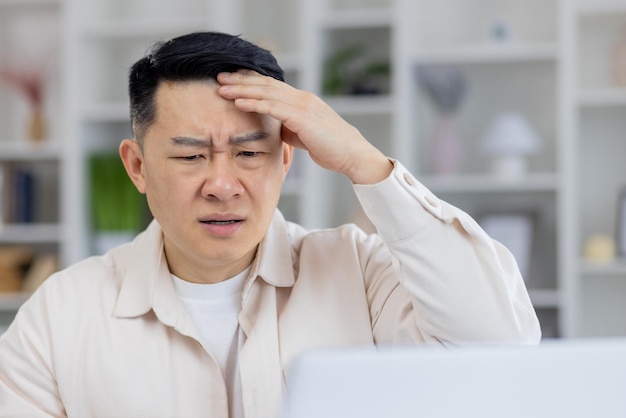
(17, 194)
(24, 210)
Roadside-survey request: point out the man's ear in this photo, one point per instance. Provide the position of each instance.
(132, 157)
(287, 158)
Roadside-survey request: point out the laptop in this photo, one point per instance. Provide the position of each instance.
(559, 378)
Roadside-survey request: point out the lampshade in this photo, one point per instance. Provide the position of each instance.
(511, 134)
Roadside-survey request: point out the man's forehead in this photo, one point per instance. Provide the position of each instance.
(197, 103)
(170, 88)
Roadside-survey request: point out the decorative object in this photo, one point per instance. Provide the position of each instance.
(498, 30)
(509, 141)
(29, 83)
(599, 249)
(117, 208)
(350, 71)
(514, 231)
(445, 86)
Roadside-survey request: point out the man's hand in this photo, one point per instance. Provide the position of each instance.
(308, 123)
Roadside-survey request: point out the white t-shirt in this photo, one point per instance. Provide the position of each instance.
(214, 310)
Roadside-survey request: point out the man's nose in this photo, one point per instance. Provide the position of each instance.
(221, 180)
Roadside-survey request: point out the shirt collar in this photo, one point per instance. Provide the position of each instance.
(141, 265)
(146, 279)
(274, 259)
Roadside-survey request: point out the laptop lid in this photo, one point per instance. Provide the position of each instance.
(556, 379)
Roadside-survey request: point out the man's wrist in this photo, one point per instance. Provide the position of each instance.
(372, 170)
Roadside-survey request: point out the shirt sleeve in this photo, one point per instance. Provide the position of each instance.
(464, 286)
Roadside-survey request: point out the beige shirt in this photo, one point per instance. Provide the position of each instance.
(108, 337)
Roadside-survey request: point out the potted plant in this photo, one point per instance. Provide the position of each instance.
(117, 208)
(350, 71)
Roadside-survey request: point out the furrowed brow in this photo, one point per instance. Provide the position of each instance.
(190, 142)
(251, 137)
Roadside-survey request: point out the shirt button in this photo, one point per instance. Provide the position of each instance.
(431, 201)
(409, 180)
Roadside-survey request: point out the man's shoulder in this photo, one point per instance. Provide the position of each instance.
(99, 271)
(92, 273)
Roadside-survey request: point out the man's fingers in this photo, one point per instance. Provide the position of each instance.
(241, 77)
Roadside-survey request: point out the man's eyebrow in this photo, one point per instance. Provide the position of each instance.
(186, 141)
(250, 137)
(191, 142)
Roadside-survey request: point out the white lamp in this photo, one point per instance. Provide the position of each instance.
(509, 141)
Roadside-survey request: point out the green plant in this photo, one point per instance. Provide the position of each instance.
(337, 71)
(349, 71)
(116, 205)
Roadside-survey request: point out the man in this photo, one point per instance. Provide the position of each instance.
(203, 313)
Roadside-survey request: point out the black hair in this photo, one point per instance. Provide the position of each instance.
(191, 57)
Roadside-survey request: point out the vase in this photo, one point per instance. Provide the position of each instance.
(36, 128)
(446, 146)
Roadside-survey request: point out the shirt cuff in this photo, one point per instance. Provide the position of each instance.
(399, 206)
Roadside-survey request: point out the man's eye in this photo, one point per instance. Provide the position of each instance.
(249, 154)
(190, 157)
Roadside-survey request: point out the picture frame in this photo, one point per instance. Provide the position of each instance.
(514, 230)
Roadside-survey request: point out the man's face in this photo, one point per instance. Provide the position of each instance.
(212, 176)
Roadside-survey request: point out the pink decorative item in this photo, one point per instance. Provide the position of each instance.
(445, 85)
(446, 146)
(31, 85)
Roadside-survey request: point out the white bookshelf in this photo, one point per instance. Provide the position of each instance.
(555, 68)
(596, 173)
(30, 36)
(486, 53)
(38, 233)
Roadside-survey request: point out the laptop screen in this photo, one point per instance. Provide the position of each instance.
(585, 378)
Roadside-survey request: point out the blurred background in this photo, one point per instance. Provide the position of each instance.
(512, 110)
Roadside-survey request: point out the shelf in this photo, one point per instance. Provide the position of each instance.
(358, 18)
(601, 7)
(29, 151)
(360, 105)
(469, 183)
(29, 3)
(487, 53)
(136, 28)
(11, 301)
(37, 233)
(602, 97)
(612, 268)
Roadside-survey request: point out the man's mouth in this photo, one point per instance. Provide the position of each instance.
(224, 227)
(221, 222)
